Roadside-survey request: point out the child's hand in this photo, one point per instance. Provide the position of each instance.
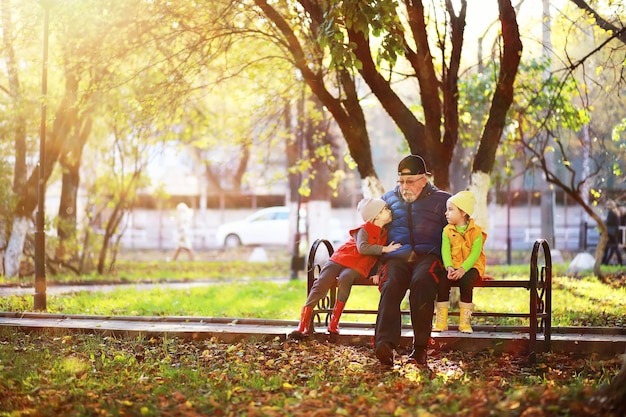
(391, 247)
(455, 274)
(449, 271)
(375, 279)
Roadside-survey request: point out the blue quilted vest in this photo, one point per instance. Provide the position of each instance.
(417, 225)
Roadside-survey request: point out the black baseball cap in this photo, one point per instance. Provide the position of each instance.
(414, 164)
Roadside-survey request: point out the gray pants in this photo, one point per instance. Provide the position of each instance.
(329, 275)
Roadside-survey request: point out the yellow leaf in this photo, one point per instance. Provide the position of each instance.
(399, 412)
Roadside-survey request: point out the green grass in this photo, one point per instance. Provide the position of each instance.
(153, 266)
(575, 302)
(127, 271)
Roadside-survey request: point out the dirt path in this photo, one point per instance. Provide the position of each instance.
(6, 291)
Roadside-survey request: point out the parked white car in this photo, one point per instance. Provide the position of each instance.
(268, 226)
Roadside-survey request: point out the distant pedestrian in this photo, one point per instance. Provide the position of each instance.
(612, 227)
(352, 260)
(184, 217)
(463, 254)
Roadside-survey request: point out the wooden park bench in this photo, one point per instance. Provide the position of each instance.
(538, 284)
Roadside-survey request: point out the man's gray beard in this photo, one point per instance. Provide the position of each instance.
(409, 198)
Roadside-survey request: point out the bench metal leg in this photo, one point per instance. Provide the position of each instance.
(540, 302)
(313, 271)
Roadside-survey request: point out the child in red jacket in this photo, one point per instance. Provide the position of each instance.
(352, 260)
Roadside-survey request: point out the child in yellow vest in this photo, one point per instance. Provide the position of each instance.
(463, 255)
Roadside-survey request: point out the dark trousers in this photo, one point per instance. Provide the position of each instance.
(612, 247)
(466, 286)
(420, 278)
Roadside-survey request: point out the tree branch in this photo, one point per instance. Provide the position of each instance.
(601, 22)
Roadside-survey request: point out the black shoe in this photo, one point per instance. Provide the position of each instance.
(418, 357)
(384, 353)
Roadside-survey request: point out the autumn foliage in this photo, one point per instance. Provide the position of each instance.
(43, 374)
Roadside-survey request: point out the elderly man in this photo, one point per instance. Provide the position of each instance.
(418, 210)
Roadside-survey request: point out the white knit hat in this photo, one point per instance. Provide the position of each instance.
(464, 200)
(370, 207)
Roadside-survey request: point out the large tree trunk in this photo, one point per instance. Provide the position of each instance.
(63, 123)
(25, 208)
(19, 129)
(66, 227)
(500, 104)
(480, 184)
(70, 163)
(13, 255)
(503, 96)
(358, 139)
(319, 205)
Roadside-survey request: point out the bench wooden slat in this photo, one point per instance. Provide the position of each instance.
(450, 313)
(496, 283)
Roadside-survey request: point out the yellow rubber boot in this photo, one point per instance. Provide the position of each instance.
(441, 316)
(465, 316)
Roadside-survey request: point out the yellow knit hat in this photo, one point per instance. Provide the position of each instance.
(464, 200)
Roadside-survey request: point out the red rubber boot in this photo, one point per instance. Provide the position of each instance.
(306, 317)
(333, 326)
